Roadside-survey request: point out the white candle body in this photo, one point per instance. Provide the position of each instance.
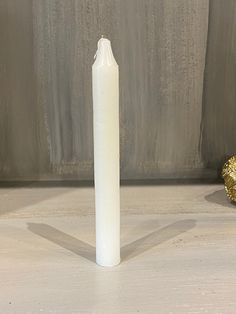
(105, 76)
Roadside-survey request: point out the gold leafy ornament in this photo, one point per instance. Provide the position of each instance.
(229, 176)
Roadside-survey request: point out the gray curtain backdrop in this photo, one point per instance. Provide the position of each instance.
(177, 86)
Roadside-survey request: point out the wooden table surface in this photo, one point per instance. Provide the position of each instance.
(178, 251)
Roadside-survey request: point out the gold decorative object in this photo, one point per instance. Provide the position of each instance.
(229, 176)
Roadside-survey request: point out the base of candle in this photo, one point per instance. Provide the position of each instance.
(107, 264)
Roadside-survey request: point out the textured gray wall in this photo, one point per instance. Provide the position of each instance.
(169, 128)
(219, 101)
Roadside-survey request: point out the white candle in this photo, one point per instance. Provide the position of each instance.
(105, 74)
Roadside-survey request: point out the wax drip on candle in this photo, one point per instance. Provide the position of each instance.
(97, 48)
(104, 54)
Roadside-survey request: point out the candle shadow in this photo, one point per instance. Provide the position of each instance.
(64, 240)
(128, 251)
(155, 238)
